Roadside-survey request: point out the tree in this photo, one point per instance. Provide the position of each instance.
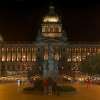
(3, 70)
(92, 66)
(29, 74)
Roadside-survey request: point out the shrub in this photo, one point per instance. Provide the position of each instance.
(66, 88)
(28, 89)
(38, 85)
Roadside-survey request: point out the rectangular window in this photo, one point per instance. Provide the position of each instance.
(28, 54)
(18, 54)
(3, 54)
(13, 54)
(8, 54)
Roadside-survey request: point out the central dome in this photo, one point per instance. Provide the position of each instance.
(51, 27)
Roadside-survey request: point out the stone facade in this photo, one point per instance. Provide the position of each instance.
(16, 58)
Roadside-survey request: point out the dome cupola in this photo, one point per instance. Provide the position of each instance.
(51, 24)
(51, 16)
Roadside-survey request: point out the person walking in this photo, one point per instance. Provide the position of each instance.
(19, 85)
(54, 87)
(45, 85)
(50, 85)
(88, 83)
(19, 82)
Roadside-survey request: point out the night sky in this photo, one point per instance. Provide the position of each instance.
(20, 20)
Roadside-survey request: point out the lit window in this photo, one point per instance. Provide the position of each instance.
(3, 58)
(69, 59)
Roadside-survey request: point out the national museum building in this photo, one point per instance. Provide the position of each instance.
(51, 46)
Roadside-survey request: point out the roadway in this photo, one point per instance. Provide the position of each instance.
(10, 91)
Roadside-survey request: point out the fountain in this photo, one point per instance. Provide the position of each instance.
(50, 68)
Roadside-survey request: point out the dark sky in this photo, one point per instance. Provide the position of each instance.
(20, 19)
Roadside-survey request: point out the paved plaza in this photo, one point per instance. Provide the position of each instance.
(12, 92)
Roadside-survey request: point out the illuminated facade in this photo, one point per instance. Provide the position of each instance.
(16, 58)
